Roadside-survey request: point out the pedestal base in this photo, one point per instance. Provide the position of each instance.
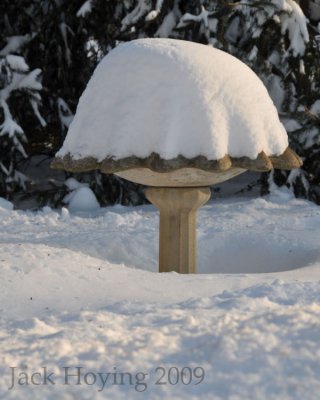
(178, 206)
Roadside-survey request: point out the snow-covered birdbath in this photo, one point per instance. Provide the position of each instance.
(178, 117)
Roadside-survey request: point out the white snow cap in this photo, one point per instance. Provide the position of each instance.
(173, 97)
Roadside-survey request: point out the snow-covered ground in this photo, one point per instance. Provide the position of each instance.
(81, 290)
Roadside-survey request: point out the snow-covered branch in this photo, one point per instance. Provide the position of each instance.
(287, 13)
(9, 126)
(65, 114)
(85, 9)
(169, 22)
(202, 17)
(142, 9)
(154, 13)
(15, 76)
(14, 43)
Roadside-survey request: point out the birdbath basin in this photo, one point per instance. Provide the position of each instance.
(183, 177)
(176, 117)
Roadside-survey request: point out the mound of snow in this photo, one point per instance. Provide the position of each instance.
(81, 197)
(73, 184)
(173, 97)
(7, 205)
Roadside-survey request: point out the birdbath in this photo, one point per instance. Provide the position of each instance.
(177, 117)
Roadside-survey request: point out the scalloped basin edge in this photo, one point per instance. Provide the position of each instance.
(184, 177)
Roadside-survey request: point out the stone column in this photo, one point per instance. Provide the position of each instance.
(178, 207)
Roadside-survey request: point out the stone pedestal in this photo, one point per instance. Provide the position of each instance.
(178, 207)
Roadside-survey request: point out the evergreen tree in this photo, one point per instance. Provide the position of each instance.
(18, 85)
(66, 40)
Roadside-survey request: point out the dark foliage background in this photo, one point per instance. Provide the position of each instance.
(49, 49)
